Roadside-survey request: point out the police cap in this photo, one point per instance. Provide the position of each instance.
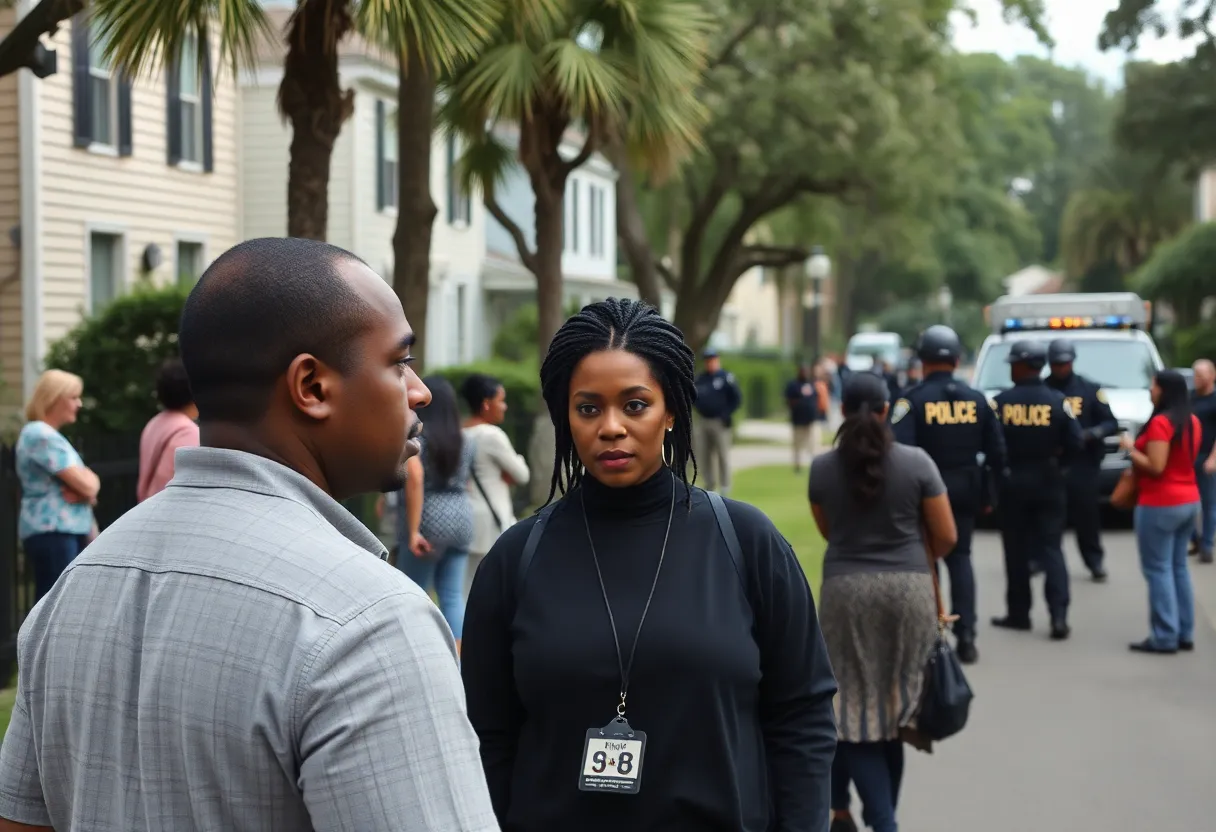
(1061, 351)
(939, 343)
(1033, 353)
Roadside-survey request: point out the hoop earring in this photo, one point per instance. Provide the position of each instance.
(667, 461)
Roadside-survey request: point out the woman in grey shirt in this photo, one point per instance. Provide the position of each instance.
(880, 506)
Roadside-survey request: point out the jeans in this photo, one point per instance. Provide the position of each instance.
(877, 769)
(1205, 533)
(446, 572)
(1162, 535)
(50, 553)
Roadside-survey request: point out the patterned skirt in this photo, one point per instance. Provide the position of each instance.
(879, 628)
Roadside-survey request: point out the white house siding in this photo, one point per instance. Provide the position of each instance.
(356, 222)
(10, 215)
(141, 196)
(751, 316)
(266, 151)
(1205, 196)
(264, 141)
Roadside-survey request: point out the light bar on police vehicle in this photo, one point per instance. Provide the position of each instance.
(1069, 311)
(1071, 322)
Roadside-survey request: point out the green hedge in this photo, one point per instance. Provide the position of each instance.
(118, 353)
(1189, 345)
(762, 378)
(522, 383)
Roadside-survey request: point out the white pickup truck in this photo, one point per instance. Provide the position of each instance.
(1114, 350)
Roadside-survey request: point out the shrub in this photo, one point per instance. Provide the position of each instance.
(762, 378)
(118, 353)
(521, 380)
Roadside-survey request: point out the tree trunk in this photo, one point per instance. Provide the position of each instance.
(17, 48)
(549, 307)
(416, 208)
(311, 98)
(631, 228)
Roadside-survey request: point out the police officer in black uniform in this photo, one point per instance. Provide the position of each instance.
(1041, 437)
(953, 424)
(718, 397)
(1090, 406)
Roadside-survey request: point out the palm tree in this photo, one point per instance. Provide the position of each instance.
(143, 33)
(611, 72)
(617, 74)
(1128, 208)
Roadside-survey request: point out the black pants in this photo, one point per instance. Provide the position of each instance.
(877, 769)
(962, 577)
(1033, 511)
(1084, 514)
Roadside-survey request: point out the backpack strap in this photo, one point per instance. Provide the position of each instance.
(534, 535)
(727, 527)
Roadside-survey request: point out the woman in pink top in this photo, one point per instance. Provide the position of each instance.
(172, 428)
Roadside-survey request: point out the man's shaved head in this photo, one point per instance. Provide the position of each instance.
(257, 307)
(1205, 375)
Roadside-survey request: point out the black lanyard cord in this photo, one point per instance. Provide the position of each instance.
(621, 665)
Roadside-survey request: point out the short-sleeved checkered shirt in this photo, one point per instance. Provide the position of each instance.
(234, 654)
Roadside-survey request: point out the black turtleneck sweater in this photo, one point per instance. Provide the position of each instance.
(735, 696)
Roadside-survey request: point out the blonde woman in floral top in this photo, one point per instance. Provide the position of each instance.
(57, 490)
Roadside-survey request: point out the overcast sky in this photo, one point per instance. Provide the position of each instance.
(1074, 25)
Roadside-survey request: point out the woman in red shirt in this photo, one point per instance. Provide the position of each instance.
(1167, 504)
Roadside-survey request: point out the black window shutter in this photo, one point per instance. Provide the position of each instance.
(173, 111)
(381, 196)
(124, 116)
(208, 151)
(82, 96)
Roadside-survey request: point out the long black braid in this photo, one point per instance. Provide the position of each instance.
(620, 324)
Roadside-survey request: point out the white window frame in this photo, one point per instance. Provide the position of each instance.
(123, 266)
(595, 211)
(392, 123)
(191, 239)
(194, 100)
(106, 72)
(461, 292)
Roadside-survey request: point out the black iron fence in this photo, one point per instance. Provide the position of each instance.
(115, 459)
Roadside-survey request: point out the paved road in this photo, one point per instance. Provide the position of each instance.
(1083, 735)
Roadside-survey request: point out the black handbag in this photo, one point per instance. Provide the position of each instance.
(946, 699)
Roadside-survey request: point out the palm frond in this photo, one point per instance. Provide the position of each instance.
(504, 84)
(140, 35)
(484, 164)
(590, 85)
(446, 32)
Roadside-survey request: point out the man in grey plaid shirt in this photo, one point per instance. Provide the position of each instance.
(235, 653)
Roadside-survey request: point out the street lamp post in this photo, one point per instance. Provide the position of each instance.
(945, 299)
(818, 269)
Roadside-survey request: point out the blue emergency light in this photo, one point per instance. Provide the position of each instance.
(1069, 322)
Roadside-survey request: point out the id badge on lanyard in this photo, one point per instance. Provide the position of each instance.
(612, 755)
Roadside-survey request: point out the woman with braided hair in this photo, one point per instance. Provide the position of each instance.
(642, 654)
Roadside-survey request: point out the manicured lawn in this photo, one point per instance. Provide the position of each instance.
(781, 494)
(6, 708)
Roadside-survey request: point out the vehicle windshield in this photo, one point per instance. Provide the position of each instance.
(1118, 365)
(874, 351)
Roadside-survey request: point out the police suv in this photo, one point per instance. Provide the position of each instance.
(1114, 350)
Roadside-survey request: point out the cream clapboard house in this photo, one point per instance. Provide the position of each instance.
(105, 181)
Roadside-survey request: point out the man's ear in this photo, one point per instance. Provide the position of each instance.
(311, 383)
